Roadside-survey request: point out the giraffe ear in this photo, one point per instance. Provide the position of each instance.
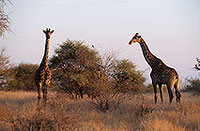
(44, 31)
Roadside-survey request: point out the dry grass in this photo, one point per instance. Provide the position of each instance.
(15, 100)
(158, 124)
(18, 111)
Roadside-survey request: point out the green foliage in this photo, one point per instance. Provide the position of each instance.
(114, 81)
(24, 77)
(126, 76)
(193, 85)
(72, 65)
(106, 95)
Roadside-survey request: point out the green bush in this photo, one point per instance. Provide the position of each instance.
(193, 85)
(24, 78)
(126, 76)
(72, 66)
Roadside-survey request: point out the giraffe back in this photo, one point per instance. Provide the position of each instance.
(162, 74)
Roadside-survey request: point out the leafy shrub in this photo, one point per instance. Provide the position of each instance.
(193, 85)
(126, 76)
(24, 77)
(113, 82)
(71, 67)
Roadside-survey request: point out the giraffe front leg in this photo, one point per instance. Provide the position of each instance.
(44, 94)
(161, 92)
(39, 92)
(155, 92)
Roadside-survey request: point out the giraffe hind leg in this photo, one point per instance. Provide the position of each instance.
(177, 92)
(39, 92)
(169, 87)
(178, 96)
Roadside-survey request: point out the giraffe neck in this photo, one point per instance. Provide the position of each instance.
(149, 57)
(46, 54)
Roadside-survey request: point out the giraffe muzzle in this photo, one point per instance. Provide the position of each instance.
(130, 43)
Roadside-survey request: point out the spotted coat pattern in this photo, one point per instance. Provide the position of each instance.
(43, 73)
(161, 73)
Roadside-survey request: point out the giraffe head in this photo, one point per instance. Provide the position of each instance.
(136, 38)
(48, 32)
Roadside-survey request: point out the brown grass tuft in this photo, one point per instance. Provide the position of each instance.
(158, 124)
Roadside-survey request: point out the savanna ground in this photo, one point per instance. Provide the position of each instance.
(19, 111)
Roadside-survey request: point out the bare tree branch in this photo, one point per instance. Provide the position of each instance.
(4, 18)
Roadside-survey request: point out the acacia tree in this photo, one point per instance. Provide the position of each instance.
(71, 67)
(113, 82)
(4, 18)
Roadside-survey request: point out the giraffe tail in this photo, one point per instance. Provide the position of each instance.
(177, 89)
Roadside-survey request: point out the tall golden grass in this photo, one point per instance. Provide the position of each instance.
(19, 111)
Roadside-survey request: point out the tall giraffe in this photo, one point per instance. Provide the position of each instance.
(43, 73)
(161, 73)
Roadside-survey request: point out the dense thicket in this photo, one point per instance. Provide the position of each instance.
(24, 77)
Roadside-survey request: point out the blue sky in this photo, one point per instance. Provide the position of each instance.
(171, 29)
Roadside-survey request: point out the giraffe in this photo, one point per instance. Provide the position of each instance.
(161, 73)
(43, 73)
